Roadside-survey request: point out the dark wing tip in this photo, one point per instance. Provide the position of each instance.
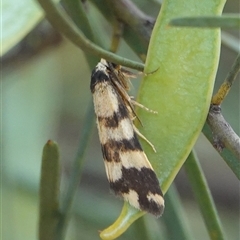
(145, 184)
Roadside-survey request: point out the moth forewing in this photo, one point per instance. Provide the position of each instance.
(128, 170)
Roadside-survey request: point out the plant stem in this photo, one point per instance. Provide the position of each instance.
(174, 216)
(223, 134)
(226, 154)
(76, 171)
(135, 39)
(61, 21)
(128, 13)
(141, 230)
(203, 197)
(226, 86)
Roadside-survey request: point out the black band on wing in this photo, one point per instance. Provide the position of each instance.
(116, 118)
(143, 182)
(112, 149)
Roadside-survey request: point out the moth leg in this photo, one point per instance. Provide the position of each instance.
(144, 138)
(142, 106)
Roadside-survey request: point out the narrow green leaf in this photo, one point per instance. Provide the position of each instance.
(77, 13)
(174, 216)
(49, 191)
(76, 171)
(203, 197)
(131, 38)
(141, 230)
(224, 21)
(64, 24)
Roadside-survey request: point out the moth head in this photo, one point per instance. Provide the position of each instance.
(99, 74)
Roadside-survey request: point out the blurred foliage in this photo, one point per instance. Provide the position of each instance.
(46, 96)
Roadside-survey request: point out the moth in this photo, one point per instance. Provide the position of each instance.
(128, 170)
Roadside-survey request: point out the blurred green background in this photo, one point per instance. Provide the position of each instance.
(45, 95)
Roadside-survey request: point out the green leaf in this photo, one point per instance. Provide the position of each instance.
(61, 21)
(204, 198)
(76, 173)
(224, 21)
(181, 67)
(49, 191)
(175, 216)
(126, 218)
(180, 72)
(18, 19)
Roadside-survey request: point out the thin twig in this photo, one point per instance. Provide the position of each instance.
(132, 16)
(136, 41)
(223, 134)
(140, 47)
(61, 21)
(226, 154)
(225, 87)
